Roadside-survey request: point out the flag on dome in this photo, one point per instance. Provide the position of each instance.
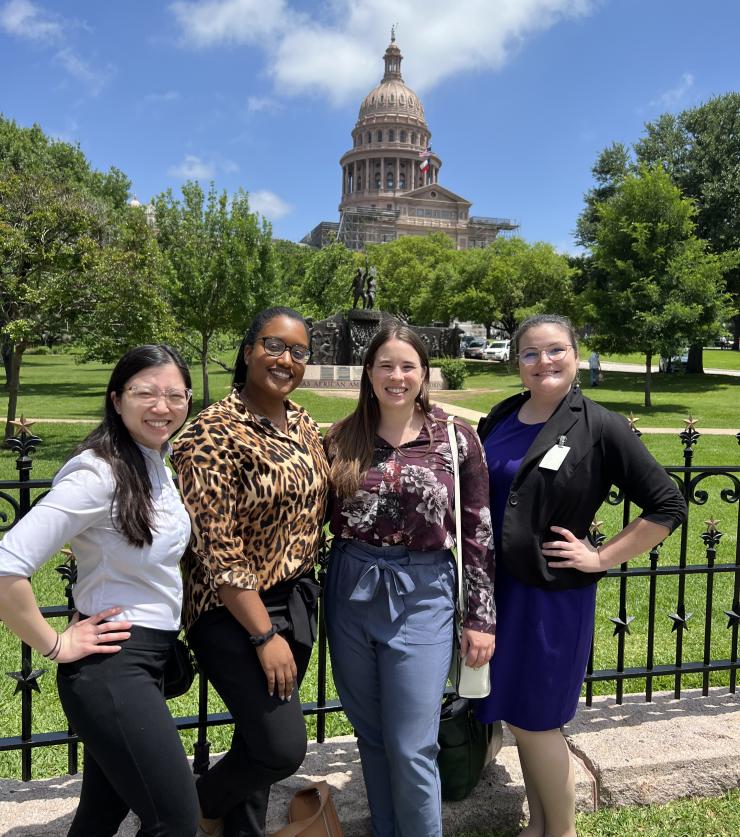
(424, 165)
(427, 152)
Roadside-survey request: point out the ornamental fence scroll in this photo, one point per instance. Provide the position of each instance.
(698, 554)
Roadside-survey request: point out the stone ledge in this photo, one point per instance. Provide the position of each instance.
(636, 753)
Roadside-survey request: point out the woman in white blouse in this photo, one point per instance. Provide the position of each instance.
(115, 503)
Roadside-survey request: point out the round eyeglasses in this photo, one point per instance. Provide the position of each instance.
(531, 356)
(148, 396)
(275, 347)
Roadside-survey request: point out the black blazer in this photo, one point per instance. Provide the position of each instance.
(603, 452)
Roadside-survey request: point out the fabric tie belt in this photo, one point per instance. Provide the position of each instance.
(387, 564)
(396, 579)
(297, 600)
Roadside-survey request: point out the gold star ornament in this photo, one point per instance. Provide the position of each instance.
(23, 423)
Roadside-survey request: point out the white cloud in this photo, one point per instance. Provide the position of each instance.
(228, 21)
(670, 98)
(337, 51)
(260, 104)
(25, 20)
(268, 204)
(194, 167)
(94, 78)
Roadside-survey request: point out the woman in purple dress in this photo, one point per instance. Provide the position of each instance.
(552, 456)
(390, 587)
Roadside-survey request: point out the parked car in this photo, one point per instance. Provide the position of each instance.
(676, 363)
(475, 348)
(464, 343)
(498, 350)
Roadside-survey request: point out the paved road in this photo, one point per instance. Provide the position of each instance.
(608, 366)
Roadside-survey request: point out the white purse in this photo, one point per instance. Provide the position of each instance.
(468, 682)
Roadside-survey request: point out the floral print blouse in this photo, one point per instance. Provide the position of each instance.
(406, 498)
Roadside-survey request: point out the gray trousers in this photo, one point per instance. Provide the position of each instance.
(389, 616)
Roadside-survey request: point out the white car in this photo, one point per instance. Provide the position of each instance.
(498, 350)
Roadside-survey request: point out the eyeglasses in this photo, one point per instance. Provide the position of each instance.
(149, 396)
(275, 347)
(531, 356)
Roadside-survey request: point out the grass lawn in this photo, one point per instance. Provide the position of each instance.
(78, 394)
(716, 817)
(712, 399)
(714, 358)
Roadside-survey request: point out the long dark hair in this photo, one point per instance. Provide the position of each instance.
(351, 440)
(255, 327)
(112, 442)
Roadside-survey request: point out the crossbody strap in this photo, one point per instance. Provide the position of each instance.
(457, 504)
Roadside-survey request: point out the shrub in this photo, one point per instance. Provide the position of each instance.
(454, 371)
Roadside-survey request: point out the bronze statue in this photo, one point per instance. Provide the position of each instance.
(358, 287)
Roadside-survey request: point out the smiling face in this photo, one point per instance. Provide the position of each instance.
(396, 375)
(274, 378)
(548, 379)
(152, 424)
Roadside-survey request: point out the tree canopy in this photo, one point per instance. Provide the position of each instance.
(223, 270)
(62, 245)
(657, 287)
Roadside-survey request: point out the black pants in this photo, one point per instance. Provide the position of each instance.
(134, 759)
(269, 741)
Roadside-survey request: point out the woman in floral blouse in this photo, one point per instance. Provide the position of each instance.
(390, 587)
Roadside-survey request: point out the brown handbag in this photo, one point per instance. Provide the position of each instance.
(312, 814)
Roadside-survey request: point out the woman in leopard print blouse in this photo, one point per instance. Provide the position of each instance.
(254, 479)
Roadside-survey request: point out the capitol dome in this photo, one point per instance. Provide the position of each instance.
(392, 98)
(390, 153)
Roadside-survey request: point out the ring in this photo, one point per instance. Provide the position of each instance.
(97, 636)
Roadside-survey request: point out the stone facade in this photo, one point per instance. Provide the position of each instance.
(390, 176)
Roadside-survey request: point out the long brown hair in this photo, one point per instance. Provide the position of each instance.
(350, 442)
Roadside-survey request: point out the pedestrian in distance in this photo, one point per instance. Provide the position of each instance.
(116, 505)
(254, 478)
(594, 368)
(390, 589)
(553, 455)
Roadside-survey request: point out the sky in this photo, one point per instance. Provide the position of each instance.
(520, 95)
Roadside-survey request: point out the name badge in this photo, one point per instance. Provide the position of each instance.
(555, 457)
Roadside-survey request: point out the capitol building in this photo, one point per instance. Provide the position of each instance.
(390, 176)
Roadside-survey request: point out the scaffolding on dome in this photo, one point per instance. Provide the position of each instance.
(361, 225)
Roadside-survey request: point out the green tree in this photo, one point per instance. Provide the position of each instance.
(415, 277)
(327, 282)
(510, 279)
(656, 286)
(610, 169)
(700, 149)
(222, 264)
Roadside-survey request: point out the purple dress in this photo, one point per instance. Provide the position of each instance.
(543, 637)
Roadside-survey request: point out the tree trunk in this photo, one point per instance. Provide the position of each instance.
(736, 328)
(695, 362)
(648, 377)
(7, 352)
(13, 385)
(204, 370)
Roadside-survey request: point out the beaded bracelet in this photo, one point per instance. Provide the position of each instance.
(54, 653)
(261, 639)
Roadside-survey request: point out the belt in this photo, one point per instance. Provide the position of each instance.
(396, 579)
(298, 601)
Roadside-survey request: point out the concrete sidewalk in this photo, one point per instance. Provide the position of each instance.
(637, 753)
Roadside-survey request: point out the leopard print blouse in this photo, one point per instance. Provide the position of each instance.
(256, 497)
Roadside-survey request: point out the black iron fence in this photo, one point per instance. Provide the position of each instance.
(697, 483)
